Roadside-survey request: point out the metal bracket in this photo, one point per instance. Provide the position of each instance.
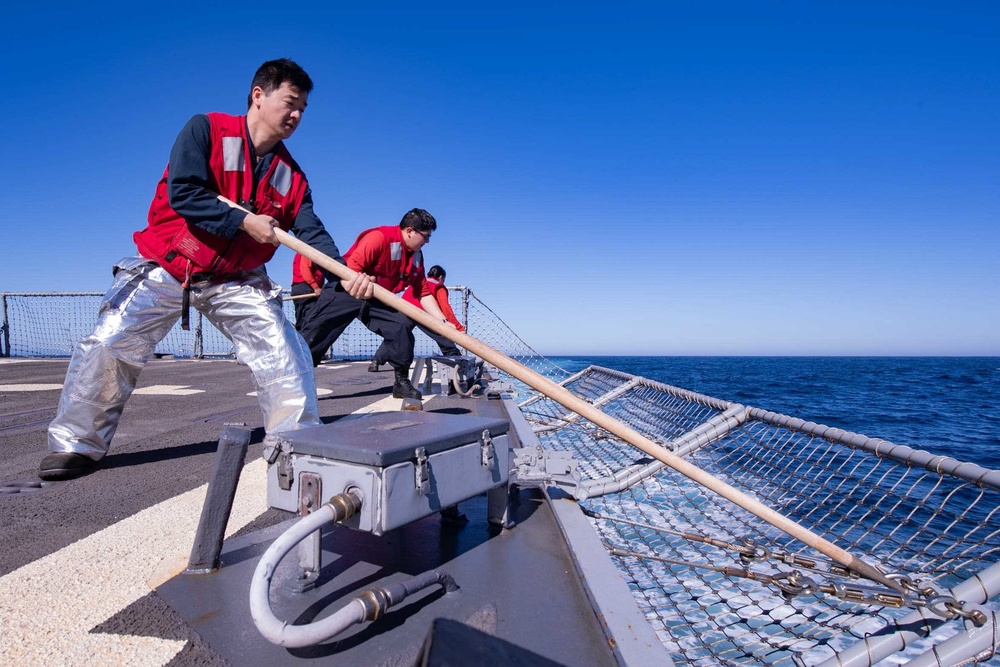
(541, 467)
(310, 492)
(459, 375)
(421, 472)
(497, 387)
(488, 451)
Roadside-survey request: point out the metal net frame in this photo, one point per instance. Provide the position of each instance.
(721, 586)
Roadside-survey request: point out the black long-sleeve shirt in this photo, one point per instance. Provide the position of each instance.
(191, 195)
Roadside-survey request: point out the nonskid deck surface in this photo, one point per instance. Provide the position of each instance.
(81, 561)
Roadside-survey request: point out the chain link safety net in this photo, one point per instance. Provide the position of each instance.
(721, 586)
(50, 324)
(718, 584)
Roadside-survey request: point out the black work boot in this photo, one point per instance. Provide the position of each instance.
(65, 465)
(373, 366)
(402, 387)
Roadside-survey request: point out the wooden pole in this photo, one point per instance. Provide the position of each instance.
(572, 402)
(299, 297)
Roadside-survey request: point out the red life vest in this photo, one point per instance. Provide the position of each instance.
(183, 248)
(397, 267)
(304, 271)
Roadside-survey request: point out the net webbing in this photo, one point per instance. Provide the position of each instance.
(671, 537)
(50, 324)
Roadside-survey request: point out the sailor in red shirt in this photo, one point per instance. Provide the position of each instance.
(392, 257)
(307, 278)
(435, 280)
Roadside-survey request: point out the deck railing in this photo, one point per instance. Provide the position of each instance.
(48, 324)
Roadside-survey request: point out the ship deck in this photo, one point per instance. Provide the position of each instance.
(91, 570)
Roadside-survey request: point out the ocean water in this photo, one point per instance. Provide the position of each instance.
(946, 405)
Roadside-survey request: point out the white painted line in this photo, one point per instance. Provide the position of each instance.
(29, 387)
(168, 390)
(387, 404)
(50, 606)
(332, 368)
(321, 391)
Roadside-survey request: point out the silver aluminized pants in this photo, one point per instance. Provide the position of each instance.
(139, 310)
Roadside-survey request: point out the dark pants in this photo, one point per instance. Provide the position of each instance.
(448, 348)
(302, 306)
(333, 312)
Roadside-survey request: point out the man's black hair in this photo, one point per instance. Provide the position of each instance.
(419, 220)
(436, 272)
(273, 73)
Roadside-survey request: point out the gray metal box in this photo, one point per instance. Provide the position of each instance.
(406, 464)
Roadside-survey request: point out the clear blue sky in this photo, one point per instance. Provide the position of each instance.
(671, 178)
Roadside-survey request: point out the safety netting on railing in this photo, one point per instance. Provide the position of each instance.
(50, 324)
(721, 586)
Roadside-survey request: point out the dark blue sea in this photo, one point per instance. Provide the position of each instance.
(946, 405)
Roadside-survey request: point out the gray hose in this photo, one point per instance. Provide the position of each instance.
(270, 626)
(368, 606)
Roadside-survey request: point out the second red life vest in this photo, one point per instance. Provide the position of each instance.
(304, 271)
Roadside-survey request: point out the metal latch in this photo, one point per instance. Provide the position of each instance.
(285, 472)
(488, 451)
(272, 447)
(275, 451)
(421, 472)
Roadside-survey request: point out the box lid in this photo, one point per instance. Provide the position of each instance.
(386, 438)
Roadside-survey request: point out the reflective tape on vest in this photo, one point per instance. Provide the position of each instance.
(232, 154)
(395, 251)
(281, 179)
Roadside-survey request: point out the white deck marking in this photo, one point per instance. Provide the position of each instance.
(321, 391)
(387, 404)
(52, 604)
(49, 606)
(29, 387)
(168, 390)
